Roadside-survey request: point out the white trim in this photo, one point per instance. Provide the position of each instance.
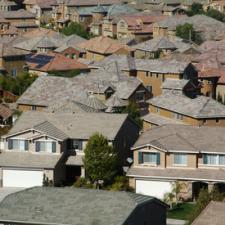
(175, 178)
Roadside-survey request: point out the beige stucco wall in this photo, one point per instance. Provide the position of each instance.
(32, 143)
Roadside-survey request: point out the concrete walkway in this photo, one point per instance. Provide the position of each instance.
(8, 190)
(175, 222)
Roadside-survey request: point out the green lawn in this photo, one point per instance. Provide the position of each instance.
(181, 211)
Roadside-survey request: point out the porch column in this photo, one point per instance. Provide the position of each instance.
(82, 172)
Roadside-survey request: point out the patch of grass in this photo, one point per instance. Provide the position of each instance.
(182, 211)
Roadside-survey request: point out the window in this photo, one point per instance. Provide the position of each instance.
(14, 72)
(177, 116)
(46, 146)
(77, 145)
(204, 121)
(217, 120)
(33, 107)
(149, 88)
(18, 144)
(74, 56)
(213, 159)
(148, 157)
(180, 159)
(157, 110)
(140, 96)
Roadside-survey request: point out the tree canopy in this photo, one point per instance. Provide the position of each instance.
(197, 8)
(76, 28)
(187, 32)
(203, 200)
(17, 85)
(134, 112)
(100, 160)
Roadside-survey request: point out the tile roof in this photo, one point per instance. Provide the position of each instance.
(212, 214)
(160, 120)
(198, 107)
(178, 137)
(28, 160)
(6, 50)
(48, 205)
(48, 62)
(5, 112)
(103, 45)
(178, 174)
(19, 14)
(64, 125)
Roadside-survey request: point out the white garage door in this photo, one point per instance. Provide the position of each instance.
(153, 188)
(22, 178)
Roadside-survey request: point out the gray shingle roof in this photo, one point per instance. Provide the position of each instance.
(199, 107)
(48, 205)
(77, 126)
(174, 137)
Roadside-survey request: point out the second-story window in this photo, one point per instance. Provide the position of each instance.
(180, 159)
(213, 159)
(149, 158)
(45, 146)
(18, 144)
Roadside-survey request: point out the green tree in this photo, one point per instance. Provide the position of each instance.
(100, 160)
(17, 85)
(134, 112)
(203, 200)
(76, 28)
(216, 15)
(186, 31)
(196, 8)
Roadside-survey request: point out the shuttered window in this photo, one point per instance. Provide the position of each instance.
(18, 144)
(46, 146)
(149, 157)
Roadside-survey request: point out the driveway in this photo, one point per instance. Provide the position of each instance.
(8, 190)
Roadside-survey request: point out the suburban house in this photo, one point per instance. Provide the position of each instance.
(181, 103)
(100, 47)
(44, 40)
(41, 8)
(194, 156)
(106, 25)
(101, 84)
(12, 60)
(43, 63)
(51, 145)
(76, 11)
(151, 72)
(85, 206)
(138, 26)
(209, 28)
(21, 19)
(212, 214)
(6, 5)
(161, 47)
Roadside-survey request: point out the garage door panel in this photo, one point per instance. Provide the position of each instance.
(22, 178)
(153, 188)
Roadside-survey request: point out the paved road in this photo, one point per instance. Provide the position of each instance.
(6, 191)
(175, 222)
